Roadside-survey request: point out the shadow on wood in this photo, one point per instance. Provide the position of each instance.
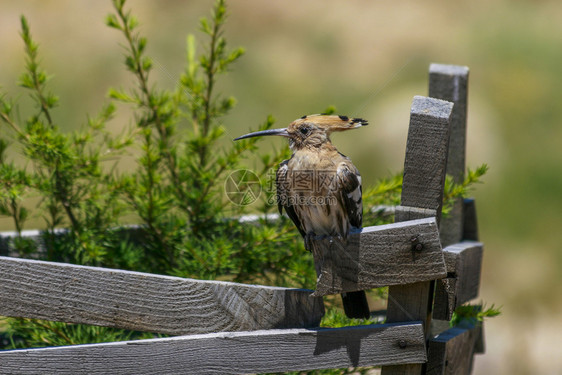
(392, 254)
(452, 351)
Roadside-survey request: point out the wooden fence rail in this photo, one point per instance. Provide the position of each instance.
(431, 265)
(231, 353)
(146, 302)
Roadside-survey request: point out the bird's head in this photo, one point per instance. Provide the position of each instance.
(311, 131)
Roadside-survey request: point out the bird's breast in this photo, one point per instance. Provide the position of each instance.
(311, 184)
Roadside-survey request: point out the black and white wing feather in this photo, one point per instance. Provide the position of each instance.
(283, 194)
(349, 181)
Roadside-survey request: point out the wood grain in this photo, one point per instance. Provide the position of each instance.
(424, 178)
(146, 302)
(426, 154)
(392, 254)
(452, 351)
(230, 353)
(464, 263)
(404, 213)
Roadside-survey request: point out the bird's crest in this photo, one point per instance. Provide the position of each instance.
(330, 123)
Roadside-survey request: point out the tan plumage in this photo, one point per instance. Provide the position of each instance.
(318, 187)
(333, 204)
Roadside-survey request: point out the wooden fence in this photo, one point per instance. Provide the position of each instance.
(431, 265)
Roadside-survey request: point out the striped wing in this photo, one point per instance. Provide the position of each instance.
(349, 183)
(283, 192)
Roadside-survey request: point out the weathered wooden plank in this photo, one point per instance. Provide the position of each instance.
(452, 351)
(450, 82)
(230, 353)
(404, 213)
(464, 262)
(445, 298)
(470, 222)
(400, 253)
(146, 302)
(424, 178)
(406, 303)
(426, 154)
(451, 226)
(480, 346)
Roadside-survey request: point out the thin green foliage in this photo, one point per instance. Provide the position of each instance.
(14, 182)
(177, 186)
(64, 169)
(39, 333)
(453, 190)
(337, 318)
(472, 314)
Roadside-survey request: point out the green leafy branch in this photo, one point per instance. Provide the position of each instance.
(35, 78)
(473, 314)
(65, 168)
(15, 183)
(453, 191)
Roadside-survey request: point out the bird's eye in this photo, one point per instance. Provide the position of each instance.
(304, 131)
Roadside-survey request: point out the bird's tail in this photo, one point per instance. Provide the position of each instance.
(355, 305)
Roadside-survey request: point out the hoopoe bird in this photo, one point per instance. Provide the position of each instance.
(319, 188)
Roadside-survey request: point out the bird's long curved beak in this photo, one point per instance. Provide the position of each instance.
(282, 132)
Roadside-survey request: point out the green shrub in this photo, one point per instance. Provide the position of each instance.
(175, 192)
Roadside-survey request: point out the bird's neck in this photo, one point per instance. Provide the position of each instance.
(324, 147)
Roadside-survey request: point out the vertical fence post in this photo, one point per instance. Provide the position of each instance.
(452, 350)
(422, 195)
(450, 83)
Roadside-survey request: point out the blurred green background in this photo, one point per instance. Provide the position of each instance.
(368, 59)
